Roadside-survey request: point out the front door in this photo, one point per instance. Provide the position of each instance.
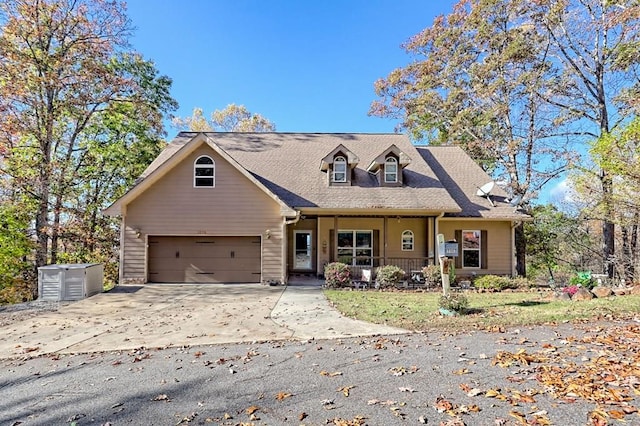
(302, 250)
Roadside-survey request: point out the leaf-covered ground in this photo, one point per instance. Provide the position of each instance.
(569, 374)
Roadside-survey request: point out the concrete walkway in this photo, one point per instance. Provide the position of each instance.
(159, 315)
(304, 310)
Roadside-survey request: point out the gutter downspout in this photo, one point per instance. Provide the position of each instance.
(285, 238)
(514, 225)
(436, 231)
(123, 224)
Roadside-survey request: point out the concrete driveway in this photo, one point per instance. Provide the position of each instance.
(156, 316)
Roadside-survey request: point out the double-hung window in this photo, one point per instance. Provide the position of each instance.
(471, 246)
(391, 170)
(355, 247)
(339, 169)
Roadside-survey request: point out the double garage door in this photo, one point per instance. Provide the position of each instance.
(204, 259)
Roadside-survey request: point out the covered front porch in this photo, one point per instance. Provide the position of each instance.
(363, 242)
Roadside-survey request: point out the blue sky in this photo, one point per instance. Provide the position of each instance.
(308, 66)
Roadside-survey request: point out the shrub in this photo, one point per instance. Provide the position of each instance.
(15, 249)
(522, 283)
(455, 302)
(19, 290)
(432, 276)
(582, 279)
(389, 276)
(337, 274)
(494, 282)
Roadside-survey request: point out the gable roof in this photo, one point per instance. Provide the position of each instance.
(171, 156)
(403, 159)
(352, 159)
(287, 164)
(463, 177)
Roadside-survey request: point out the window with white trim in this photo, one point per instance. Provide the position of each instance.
(355, 247)
(407, 240)
(390, 170)
(339, 169)
(204, 172)
(471, 245)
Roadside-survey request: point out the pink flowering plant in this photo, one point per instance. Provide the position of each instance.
(571, 290)
(337, 274)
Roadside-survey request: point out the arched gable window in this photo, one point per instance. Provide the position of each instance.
(407, 240)
(339, 169)
(204, 172)
(391, 170)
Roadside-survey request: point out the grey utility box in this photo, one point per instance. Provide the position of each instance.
(69, 281)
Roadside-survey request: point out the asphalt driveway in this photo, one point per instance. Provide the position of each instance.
(157, 316)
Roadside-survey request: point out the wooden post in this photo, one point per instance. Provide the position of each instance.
(444, 274)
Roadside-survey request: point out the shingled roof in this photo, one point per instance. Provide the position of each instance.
(289, 166)
(463, 177)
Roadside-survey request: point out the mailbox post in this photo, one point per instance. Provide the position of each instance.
(446, 251)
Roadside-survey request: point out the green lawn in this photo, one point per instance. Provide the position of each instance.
(419, 311)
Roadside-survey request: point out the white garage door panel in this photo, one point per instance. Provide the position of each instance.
(204, 259)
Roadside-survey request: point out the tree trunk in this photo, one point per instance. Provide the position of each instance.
(634, 250)
(521, 249)
(55, 229)
(627, 260)
(608, 227)
(42, 227)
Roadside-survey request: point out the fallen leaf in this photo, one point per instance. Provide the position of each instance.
(282, 395)
(443, 405)
(252, 409)
(519, 416)
(345, 390)
(615, 414)
(465, 387)
(328, 374)
(161, 397)
(492, 393)
(475, 392)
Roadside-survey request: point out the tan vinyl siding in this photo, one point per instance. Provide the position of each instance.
(134, 257)
(395, 228)
(499, 256)
(173, 207)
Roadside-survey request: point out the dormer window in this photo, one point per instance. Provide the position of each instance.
(339, 166)
(389, 165)
(339, 169)
(390, 170)
(204, 172)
